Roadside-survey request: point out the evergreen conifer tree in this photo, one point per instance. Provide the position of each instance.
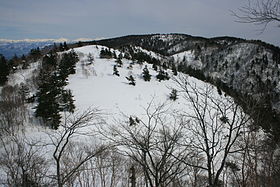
(173, 95)
(51, 96)
(155, 67)
(67, 101)
(48, 107)
(115, 71)
(162, 75)
(131, 80)
(90, 58)
(4, 70)
(114, 55)
(131, 121)
(60, 47)
(174, 70)
(146, 74)
(119, 62)
(67, 64)
(65, 47)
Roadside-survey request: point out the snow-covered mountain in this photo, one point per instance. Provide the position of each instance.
(212, 129)
(245, 69)
(9, 48)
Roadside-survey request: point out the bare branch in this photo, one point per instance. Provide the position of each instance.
(259, 12)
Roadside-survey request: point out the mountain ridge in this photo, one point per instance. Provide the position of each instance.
(249, 70)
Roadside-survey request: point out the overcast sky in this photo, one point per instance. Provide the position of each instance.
(20, 19)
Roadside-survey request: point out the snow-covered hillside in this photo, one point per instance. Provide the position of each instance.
(202, 125)
(95, 85)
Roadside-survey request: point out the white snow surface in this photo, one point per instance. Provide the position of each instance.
(96, 86)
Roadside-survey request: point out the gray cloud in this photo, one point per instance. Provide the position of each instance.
(109, 18)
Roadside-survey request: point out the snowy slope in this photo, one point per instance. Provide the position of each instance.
(95, 85)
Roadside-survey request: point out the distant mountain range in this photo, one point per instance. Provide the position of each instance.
(10, 48)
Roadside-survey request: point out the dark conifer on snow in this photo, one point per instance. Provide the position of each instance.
(51, 97)
(131, 121)
(174, 70)
(155, 67)
(4, 70)
(146, 74)
(162, 75)
(115, 71)
(106, 53)
(90, 58)
(173, 95)
(119, 62)
(131, 80)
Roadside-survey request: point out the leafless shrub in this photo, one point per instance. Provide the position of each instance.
(12, 110)
(23, 163)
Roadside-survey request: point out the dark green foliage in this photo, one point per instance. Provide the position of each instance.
(115, 71)
(126, 56)
(162, 75)
(146, 74)
(131, 121)
(219, 91)
(173, 95)
(90, 58)
(24, 91)
(119, 62)
(120, 56)
(164, 66)
(24, 62)
(67, 64)
(131, 80)
(4, 70)
(65, 47)
(105, 53)
(14, 62)
(52, 98)
(137, 120)
(224, 119)
(192, 72)
(35, 54)
(49, 60)
(47, 95)
(174, 70)
(130, 65)
(155, 67)
(67, 102)
(114, 55)
(237, 66)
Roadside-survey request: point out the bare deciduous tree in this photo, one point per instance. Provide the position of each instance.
(154, 143)
(215, 124)
(77, 125)
(23, 162)
(260, 12)
(12, 110)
